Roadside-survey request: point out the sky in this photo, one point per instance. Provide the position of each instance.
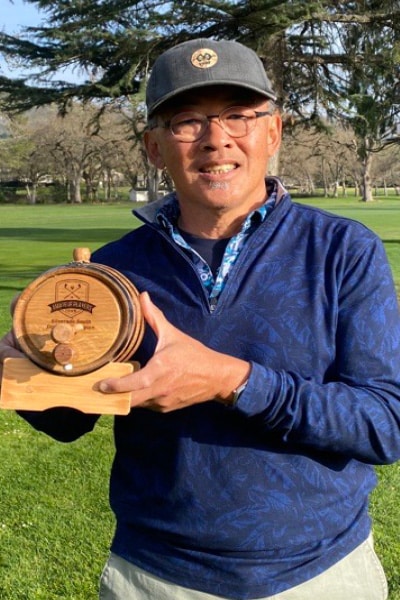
(13, 17)
(15, 14)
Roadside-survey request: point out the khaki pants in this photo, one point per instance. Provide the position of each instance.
(359, 576)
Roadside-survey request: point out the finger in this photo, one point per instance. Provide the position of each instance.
(10, 353)
(9, 347)
(128, 383)
(144, 391)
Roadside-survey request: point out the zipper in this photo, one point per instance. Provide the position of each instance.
(212, 302)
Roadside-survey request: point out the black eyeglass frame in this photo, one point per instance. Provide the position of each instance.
(206, 119)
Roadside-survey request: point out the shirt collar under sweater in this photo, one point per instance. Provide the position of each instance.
(167, 216)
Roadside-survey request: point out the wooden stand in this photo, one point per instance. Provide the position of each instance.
(25, 386)
(77, 324)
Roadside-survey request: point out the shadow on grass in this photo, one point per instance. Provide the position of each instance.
(63, 235)
(19, 285)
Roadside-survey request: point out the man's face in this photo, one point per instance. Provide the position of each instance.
(217, 172)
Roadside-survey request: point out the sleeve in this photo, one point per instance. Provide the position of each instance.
(355, 410)
(62, 424)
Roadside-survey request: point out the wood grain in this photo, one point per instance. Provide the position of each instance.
(25, 386)
(76, 318)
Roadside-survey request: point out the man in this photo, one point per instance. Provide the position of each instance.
(275, 328)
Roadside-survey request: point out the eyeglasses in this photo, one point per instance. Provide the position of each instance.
(237, 121)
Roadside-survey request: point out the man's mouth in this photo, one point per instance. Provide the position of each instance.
(219, 169)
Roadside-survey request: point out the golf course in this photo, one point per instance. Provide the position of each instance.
(55, 520)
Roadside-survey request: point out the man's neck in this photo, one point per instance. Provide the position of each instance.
(213, 224)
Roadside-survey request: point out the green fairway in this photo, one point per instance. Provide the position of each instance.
(55, 522)
(34, 239)
(382, 216)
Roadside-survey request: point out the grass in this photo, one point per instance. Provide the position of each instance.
(382, 216)
(55, 522)
(36, 238)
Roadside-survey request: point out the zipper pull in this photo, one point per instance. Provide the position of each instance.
(213, 304)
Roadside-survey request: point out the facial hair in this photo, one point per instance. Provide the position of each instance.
(218, 185)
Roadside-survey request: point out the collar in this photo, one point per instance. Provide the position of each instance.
(165, 211)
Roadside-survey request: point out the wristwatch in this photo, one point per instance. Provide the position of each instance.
(236, 393)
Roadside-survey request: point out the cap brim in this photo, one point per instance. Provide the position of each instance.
(267, 94)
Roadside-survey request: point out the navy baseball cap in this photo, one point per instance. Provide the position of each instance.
(205, 62)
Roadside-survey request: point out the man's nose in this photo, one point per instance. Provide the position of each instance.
(215, 133)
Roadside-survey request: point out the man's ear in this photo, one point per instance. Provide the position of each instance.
(152, 149)
(274, 133)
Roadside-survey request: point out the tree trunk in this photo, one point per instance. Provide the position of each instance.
(324, 177)
(310, 184)
(366, 157)
(75, 189)
(31, 192)
(366, 178)
(153, 181)
(273, 165)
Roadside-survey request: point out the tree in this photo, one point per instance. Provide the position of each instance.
(112, 44)
(24, 155)
(327, 58)
(350, 72)
(372, 106)
(322, 158)
(40, 144)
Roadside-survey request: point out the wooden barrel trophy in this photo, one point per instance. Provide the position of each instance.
(77, 324)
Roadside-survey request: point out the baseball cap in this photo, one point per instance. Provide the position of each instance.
(204, 62)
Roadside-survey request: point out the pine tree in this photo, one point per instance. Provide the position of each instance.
(328, 60)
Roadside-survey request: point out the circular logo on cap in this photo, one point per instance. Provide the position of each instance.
(204, 58)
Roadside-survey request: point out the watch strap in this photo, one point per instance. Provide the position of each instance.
(237, 392)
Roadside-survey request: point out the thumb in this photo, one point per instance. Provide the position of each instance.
(153, 315)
